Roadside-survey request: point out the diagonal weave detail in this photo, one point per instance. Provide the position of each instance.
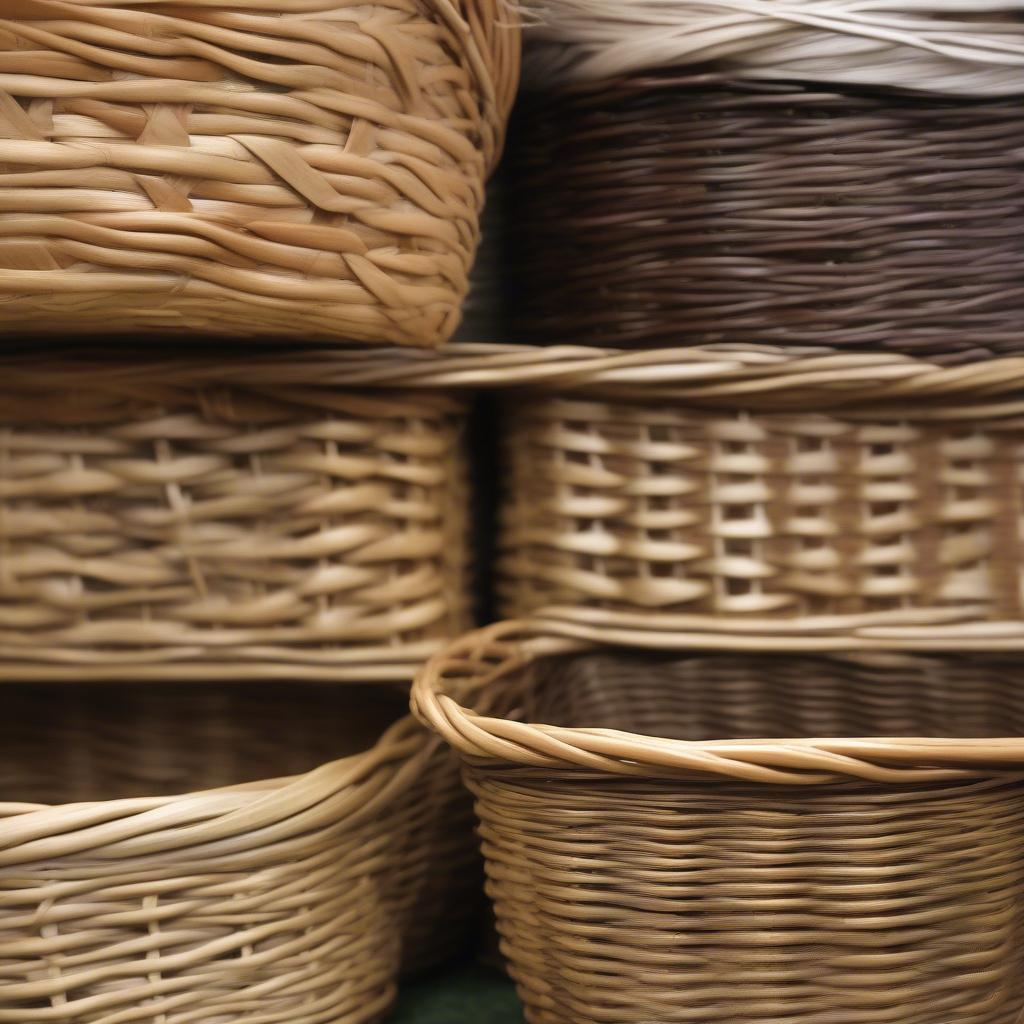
(310, 168)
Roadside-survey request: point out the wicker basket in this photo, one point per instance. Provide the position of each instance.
(300, 169)
(656, 853)
(665, 210)
(153, 525)
(878, 522)
(280, 892)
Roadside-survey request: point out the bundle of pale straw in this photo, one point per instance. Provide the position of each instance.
(957, 47)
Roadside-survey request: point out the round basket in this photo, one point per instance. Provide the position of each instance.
(782, 505)
(299, 169)
(667, 209)
(159, 525)
(280, 891)
(678, 842)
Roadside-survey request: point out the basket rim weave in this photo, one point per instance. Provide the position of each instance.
(763, 376)
(471, 666)
(236, 816)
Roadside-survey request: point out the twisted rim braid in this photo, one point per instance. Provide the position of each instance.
(455, 691)
(958, 47)
(872, 383)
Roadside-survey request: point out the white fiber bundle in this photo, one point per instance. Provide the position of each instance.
(960, 47)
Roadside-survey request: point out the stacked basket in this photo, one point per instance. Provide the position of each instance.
(179, 843)
(794, 230)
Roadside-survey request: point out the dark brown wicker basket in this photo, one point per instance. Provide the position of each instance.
(668, 210)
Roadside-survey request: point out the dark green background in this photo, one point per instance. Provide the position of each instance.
(470, 995)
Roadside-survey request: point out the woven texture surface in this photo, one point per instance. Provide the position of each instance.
(655, 853)
(151, 529)
(310, 168)
(957, 47)
(786, 524)
(290, 899)
(662, 210)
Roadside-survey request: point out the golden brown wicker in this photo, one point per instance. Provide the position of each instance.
(297, 168)
(280, 892)
(152, 526)
(666, 209)
(780, 505)
(687, 839)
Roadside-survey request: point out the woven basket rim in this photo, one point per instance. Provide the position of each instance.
(235, 813)
(767, 376)
(471, 665)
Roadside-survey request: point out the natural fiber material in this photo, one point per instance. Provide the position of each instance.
(284, 898)
(297, 168)
(154, 528)
(961, 47)
(796, 525)
(668, 210)
(673, 843)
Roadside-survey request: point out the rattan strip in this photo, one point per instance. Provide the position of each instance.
(164, 531)
(293, 899)
(300, 169)
(656, 207)
(762, 376)
(961, 47)
(464, 692)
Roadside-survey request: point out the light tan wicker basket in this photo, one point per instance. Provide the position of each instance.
(776, 504)
(302, 168)
(280, 891)
(155, 525)
(744, 840)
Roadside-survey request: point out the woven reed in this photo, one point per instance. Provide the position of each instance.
(297, 168)
(958, 47)
(153, 528)
(657, 851)
(662, 210)
(806, 527)
(291, 898)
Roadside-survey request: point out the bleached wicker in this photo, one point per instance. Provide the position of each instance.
(748, 840)
(307, 169)
(213, 854)
(158, 526)
(958, 47)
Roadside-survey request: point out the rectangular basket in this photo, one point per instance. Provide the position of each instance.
(671, 837)
(158, 525)
(306, 169)
(173, 853)
(876, 520)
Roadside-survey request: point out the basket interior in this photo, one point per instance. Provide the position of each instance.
(720, 697)
(68, 744)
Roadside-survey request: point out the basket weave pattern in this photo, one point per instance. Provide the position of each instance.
(733, 517)
(151, 529)
(661, 210)
(301, 168)
(290, 899)
(654, 855)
